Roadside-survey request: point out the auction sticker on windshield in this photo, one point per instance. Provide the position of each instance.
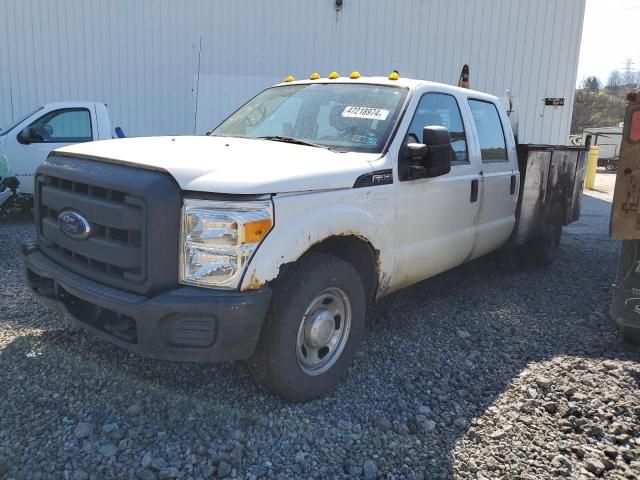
(365, 112)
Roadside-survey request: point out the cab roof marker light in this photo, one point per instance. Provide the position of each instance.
(394, 75)
(314, 76)
(333, 76)
(354, 75)
(288, 79)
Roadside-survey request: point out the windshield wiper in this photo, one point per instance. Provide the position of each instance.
(279, 138)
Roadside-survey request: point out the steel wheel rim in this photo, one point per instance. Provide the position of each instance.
(323, 331)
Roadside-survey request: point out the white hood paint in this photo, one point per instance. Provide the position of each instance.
(234, 165)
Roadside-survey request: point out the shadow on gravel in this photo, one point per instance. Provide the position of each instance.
(435, 356)
(16, 218)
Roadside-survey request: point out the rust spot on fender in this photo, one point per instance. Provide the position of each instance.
(384, 285)
(254, 283)
(383, 279)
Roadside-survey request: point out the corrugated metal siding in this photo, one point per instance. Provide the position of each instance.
(142, 57)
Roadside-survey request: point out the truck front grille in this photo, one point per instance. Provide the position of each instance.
(134, 215)
(116, 218)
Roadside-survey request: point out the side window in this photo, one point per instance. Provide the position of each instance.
(490, 133)
(72, 125)
(441, 109)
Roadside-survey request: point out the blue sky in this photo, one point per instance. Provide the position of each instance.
(611, 34)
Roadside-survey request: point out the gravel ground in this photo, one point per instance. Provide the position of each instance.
(488, 371)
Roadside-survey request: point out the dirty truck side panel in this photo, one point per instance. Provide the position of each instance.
(306, 219)
(530, 214)
(550, 175)
(562, 174)
(578, 185)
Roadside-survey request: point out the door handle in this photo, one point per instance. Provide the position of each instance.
(474, 191)
(512, 187)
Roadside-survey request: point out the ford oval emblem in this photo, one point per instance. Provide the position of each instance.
(74, 225)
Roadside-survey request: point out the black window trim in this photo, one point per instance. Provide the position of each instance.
(70, 139)
(504, 138)
(454, 163)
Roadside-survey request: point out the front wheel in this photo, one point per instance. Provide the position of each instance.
(312, 330)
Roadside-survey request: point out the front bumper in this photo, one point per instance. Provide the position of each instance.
(185, 324)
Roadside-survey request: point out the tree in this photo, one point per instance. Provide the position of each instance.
(591, 85)
(596, 111)
(615, 79)
(615, 84)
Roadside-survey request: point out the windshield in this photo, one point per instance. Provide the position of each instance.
(340, 116)
(5, 130)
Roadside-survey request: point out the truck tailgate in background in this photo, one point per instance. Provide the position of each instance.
(625, 212)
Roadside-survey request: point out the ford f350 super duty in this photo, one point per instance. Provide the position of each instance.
(266, 240)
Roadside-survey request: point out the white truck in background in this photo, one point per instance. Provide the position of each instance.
(266, 240)
(26, 143)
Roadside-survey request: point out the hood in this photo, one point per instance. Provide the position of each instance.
(233, 165)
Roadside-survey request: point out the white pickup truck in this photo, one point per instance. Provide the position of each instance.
(26, 143)
(266, 240)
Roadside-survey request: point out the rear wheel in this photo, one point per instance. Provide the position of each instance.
(312, 330)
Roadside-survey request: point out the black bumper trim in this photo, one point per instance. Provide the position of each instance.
(184, 324)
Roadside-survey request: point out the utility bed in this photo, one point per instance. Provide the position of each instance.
(549, 175)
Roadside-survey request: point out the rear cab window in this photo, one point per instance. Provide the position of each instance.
(486, 118)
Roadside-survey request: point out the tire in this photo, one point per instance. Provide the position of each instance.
(611, 166)
(319, 297)
(545, 247)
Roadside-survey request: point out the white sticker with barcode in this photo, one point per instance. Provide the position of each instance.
(365, 112)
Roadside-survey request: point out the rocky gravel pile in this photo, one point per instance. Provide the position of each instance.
(489, 371)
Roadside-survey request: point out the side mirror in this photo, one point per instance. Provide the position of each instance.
(27, 136)
(437, 140)
(416, 152)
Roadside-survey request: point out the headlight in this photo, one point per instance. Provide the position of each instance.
(218, 238)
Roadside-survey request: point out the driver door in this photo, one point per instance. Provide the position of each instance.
(53, 129)
(436, 218)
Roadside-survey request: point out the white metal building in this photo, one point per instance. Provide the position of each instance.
(169, 67)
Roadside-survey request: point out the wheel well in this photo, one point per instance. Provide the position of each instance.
(359, 253)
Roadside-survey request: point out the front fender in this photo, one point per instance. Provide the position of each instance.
(305, 220)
